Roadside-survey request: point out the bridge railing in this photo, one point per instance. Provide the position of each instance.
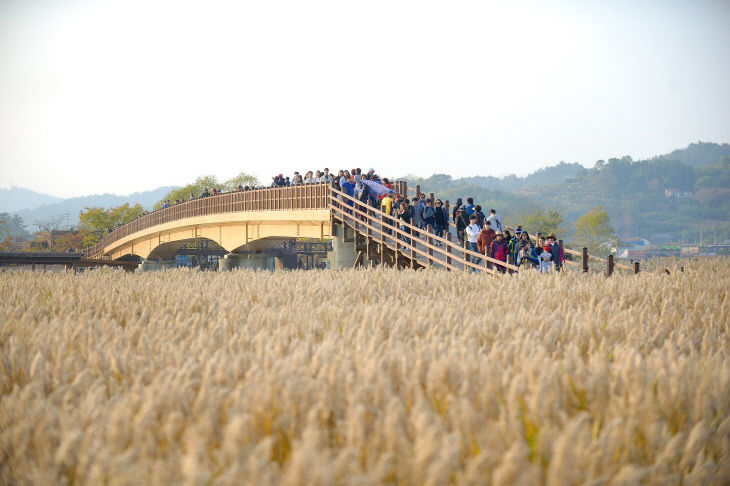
(422, 248)
(576, 259)
(314, 196)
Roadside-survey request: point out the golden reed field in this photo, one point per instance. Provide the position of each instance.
(365, 377)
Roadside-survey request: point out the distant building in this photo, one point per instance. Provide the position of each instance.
(674, 193)
(635, 243)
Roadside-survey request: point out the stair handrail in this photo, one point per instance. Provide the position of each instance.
(417, 230)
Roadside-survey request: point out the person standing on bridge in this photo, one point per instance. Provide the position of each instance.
(441, 220)
(461, 223)
(456, 208)
(495, 221)
(348, 187)
(472, 235)
(428, 216)
(386, 205)
(470, 206)
(499, 251)
(404, 214)
(486, 237)
(481, 218)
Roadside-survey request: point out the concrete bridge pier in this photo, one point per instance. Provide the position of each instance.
(343, 252)
(231, 261)
(152, 265)
(251, 261)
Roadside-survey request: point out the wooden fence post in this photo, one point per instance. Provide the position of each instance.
(418, 190)
(413, 245)
(430, 244)
(609, 265)
(584, 259)
(448, 250)
(398, 240)
(636, 268)
(466, 255)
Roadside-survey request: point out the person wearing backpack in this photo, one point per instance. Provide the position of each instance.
(461, 224)
(428, 216)
(499, 251)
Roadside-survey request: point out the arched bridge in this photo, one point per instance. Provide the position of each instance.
(238, 221)
(246, 223)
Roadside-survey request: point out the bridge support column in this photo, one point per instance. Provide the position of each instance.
(152, 265)
(231, 261)
(343, 254)
(258, 261)
(251, 261)
(278, 263)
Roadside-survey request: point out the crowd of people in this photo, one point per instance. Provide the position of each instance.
(485, 235)
(475, 231)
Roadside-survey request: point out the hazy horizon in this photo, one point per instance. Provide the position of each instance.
(122, 97)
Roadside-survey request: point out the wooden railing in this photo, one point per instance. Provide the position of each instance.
(584, 265)
(315, 196)
(389, 232)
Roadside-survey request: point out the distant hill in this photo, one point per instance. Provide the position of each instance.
(633, 192)
(698, 154)
(17, 198)
(73, 206)
(541, 177)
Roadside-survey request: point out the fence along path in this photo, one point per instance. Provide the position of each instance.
(585, 258)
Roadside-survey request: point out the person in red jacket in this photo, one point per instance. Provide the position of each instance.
(486, 237)
(499, 251)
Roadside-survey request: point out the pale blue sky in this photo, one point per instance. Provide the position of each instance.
(124, 96)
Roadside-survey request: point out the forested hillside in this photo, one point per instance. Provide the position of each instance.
(698, 154)
(683, 196)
